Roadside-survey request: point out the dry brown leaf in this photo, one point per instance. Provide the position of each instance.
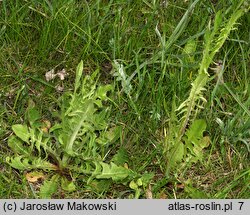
(180, 186)
(34, 176)
(163, 196)
(149, 194)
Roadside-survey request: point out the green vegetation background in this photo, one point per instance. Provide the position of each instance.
(160, 45)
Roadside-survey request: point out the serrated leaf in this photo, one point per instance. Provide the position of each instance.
(116, 173)
(146, 178)
(17, 146)
(67, 185)
(79, 71)
(49, 187)
(195, 131)
(109, 136)
(195, 141)
(55, 127)
(214, 39)
(205, 142)
(121, 75)
(76, 121)
(100, 120)
(22, 132)
(177, 153)
(33, 115)
(98, 169)
(38, 142)
(189, 49)
(133, 185)
(18, 163)
(100, 185)
(102, 91)
(121, 157)
(22, 163)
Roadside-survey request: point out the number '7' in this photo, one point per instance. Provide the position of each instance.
(241, 204)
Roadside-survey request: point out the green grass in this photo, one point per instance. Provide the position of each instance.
(161, 48)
